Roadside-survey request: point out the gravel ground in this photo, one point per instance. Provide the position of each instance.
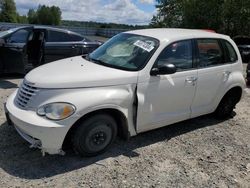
(201, 152)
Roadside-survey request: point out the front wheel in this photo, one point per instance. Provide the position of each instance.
(94, 135)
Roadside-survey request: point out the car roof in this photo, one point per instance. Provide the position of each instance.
(55, 29)
(48, 28)
(163, 34)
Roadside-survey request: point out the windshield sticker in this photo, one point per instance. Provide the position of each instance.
(144, 45)
(150, 42)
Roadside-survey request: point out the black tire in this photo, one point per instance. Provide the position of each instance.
(1, 68)
(248, 82)
(94, 135)
(226, 107)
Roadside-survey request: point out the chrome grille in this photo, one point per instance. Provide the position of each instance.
(25, 94)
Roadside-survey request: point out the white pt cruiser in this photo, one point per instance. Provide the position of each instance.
(137, 81)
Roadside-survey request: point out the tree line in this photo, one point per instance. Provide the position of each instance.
(231, 17)
(44, 15)
(92, 24)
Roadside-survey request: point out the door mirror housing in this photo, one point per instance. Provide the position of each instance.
(163, 70)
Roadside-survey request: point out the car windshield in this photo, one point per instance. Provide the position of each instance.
(4, 33)
(125, 51)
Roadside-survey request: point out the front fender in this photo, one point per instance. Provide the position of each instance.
(87, 100)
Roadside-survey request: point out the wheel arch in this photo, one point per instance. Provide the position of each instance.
(118, 115)
(235, 90)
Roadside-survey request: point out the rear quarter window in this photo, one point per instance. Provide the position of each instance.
(231, 55)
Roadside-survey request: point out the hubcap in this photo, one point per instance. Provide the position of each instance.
(99, 138)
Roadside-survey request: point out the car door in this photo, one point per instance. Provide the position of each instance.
(166, 99)
(59, 45)
(213, 74)
(14, 55)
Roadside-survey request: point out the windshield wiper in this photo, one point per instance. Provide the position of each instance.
(85, 56)
(98, 61)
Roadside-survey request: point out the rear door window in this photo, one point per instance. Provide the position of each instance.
(74, 37)
(57, 36)
(210, 52)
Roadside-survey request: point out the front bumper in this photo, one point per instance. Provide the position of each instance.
(40, 132)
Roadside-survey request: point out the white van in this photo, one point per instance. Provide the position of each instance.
(137, 81)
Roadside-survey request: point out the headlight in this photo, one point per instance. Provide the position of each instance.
(56, 111)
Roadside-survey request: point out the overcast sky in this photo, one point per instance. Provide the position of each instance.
(116, 11)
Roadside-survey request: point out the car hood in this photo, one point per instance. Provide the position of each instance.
(77, 72)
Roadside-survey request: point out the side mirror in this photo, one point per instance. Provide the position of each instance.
(164, 69)
(2, 42)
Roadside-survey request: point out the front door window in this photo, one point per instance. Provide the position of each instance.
(20, 36)
(179, 54)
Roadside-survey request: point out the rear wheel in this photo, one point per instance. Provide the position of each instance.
(226, 107)
(248, 74)
(248, 82)
(94, 135)
(1, 67)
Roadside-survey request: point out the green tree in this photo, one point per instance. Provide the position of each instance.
(231, 17)
(45, 15)
(22, 19)
(32, 16)
(236, 17)
(169, 13)
(56, 15)
(202, 14)
(8, 11)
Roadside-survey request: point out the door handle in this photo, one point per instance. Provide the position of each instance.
(191, 80)
(16, 47)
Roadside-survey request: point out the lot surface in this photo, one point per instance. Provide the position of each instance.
(202, 152)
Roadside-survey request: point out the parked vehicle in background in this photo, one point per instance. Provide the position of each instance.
(135, 82)
(243, 43)
(248, 73)
(24, 48)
